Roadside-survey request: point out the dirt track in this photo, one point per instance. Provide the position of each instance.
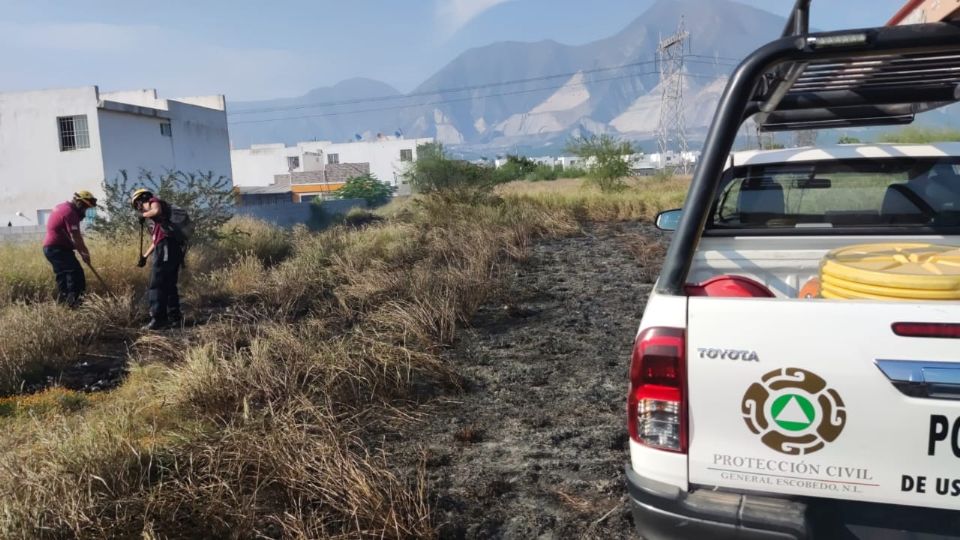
(535, 445)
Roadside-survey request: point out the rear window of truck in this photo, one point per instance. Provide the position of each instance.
(877, 193)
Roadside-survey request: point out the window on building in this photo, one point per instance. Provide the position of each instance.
(406, 155)
(293, 162)
(73, 132)
(333, 159)
(166, 129)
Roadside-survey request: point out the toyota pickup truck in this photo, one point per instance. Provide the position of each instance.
(759, 405)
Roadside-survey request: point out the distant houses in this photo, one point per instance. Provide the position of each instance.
(56, 142)
(310, 170)
(640, 164)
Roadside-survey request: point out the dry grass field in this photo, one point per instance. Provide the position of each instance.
(265, 416)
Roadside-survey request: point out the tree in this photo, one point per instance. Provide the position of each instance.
(207, 198)
(436, 174)
(368, 188)
(606, 157)
(516, 168)
(847, 139)
(920, 135)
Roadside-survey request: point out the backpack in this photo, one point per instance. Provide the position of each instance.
(177, 223)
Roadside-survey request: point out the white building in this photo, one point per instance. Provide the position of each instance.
(571, 162)
(673, 159)
(323, 162)
(55, 142)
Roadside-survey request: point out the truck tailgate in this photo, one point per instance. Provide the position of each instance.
(789, 397)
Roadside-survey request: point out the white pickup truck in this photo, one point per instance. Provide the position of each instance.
(757, 409)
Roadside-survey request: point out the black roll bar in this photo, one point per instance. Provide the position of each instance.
(799, 22)
(747, 90)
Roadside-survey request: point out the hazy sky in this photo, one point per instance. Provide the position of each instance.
(258, 49)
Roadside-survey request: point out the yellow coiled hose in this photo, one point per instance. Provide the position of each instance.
(908, 271)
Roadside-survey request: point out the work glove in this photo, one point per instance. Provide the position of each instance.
(141, 220)
(142, 262)
(85, 256)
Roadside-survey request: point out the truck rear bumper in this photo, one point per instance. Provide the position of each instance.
(664, 511)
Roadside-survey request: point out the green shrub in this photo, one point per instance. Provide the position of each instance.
(368, 188)
(572, 172)
(436, 174)
(608, 156)
(358, 217)
(542, 173)
(516, 168)
(207, 198)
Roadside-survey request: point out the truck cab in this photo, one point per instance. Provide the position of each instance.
(773, 392)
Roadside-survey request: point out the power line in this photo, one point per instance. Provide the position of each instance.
(434, 92)
(718, 57)
(451, 90)
(456, 100)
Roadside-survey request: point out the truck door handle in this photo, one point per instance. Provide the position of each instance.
(921, 379)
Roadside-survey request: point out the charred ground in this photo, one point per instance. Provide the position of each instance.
(534, 446)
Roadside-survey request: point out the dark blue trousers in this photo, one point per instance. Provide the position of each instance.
(163, 294)
(71, 282)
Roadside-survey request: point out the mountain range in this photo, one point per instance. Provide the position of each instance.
(532, 95)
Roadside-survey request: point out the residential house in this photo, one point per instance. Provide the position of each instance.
(56, 142)
(317, 169)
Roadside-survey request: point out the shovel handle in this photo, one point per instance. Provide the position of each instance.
(100, 278)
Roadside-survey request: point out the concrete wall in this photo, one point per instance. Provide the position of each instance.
(141, 98)
(199, 142)
(131, 142)
(311, 161)
(282, 215)
(305, 177)
(218, 102)
(342, 172)
(34, 173)
(264, 199)
(382, 155)
(342, 206)
(290, 214)
(257, 165)
(22, 234)
(201, 138)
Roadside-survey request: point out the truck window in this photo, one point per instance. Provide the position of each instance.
(920, 192)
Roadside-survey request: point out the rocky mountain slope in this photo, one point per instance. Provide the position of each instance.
(513, 94)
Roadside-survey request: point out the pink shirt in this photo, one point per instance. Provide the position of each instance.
(158, 233)
(64, 218)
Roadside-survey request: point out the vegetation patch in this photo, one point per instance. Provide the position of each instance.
(268, 419)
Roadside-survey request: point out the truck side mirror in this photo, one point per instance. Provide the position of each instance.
(668, 220)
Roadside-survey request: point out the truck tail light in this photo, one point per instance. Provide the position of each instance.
(657, 405)
(927, 330)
